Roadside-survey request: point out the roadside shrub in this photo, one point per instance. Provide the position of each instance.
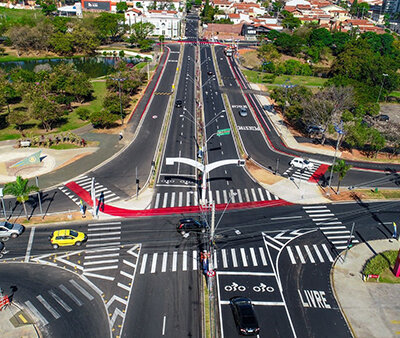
(83, 113)
(377, 264)
(103, 119)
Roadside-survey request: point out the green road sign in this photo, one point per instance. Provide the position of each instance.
(223, 132)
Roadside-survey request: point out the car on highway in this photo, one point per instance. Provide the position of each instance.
(178, 103)
(301, 163)
(187, 225)
(8, 230)
(67, 237)
(210, 72)
(243, 112)
(245, 316)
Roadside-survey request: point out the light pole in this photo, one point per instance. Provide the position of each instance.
(339, 130)
(2, 203)
(119, 79)
(380, 91)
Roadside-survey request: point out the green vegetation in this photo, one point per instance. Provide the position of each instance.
(260, 77)
(382, 264)
(20, 189)
(395, 94)
(64, 146)
(99, 91)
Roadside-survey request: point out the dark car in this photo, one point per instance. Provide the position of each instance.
(210, 72)
(191, 225)
(178, 103)
(313, 129)
(245, 316)
(382, 117)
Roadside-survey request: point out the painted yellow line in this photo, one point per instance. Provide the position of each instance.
(395, 321)
(22, 318)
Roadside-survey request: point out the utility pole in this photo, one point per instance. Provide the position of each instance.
(339, 130)
(39, 199)
(2, 203)
(93, 195)
(348, 246)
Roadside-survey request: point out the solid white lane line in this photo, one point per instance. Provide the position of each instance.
(123, 273)
(123, 286)
(318, 253)
(262, 254)
(253, 257)
(132, 265)
(35, 312)
(188, 198)
(184, 261)
(157, 201)
(96, 275)
(81, 289)
(336, 232)
(261, 194)
(268, 195)
(194, 259)
(324, 219)
(253, 193)
(224, 258)
(103, 239)
(164, 205)
(328, 254)
(49, 308)
(105, 228)
(239, 195)
(302, 260)
(105, 261)
(163, 326)
(333, 228)
(328, 223)
(29, 246)
(102, 256)
(90, 235)
(217, 197)
(309, 254)
(317, 211)
(320, 215)
(143, 266)
(210, 197)
(70, 294)
(109, 267)
(338, 237)
(154, 263)
(60, 301)
(288, 217)
(101, 224)
(234, 259)
(225, 196)
(180, 198)
(174, 260)
(103, 249)
(164, 262)
(246, 194)
(291, 256)
(244, 258)
(172, 200)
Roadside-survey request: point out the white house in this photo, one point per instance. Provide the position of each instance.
(132, 16)
(167, 23)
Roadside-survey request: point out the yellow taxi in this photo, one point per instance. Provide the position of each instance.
(67, 237)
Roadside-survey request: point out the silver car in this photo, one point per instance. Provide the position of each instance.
(8, 230)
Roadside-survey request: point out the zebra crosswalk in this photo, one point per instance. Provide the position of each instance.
(304, 174)
(191, 198)
(57, 302)
(160, 262)
(331, 227)
(85, 182)
(309, 254)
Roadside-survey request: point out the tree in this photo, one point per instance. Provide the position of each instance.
(109, 26)
(18, 117)
(48, 6)
(289, 44)
(21, 190)
(320, 38)
(267, 52)
(103, 119)
(289, 21)
(122, 7)
(326, 107)
(341, 168)
(140, 31)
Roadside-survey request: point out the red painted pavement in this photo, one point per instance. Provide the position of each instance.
(318, 173)
(120, 212)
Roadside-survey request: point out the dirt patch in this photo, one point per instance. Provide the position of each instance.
(262, 175)
(75, 158)
(249, 58)
(56, 218)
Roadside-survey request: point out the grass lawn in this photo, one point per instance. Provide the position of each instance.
(395, 94)
(380, 194)
(382, 264)
(14, 15)
(99, 93)
(64, 146)
(258, 77)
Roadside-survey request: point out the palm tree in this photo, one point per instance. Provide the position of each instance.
(341, 168)
(20, 189)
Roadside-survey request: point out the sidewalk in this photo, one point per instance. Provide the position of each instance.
(371, 309)
(16, 324)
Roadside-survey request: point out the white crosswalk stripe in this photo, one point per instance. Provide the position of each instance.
(305, 175)
(86, 183)
(179, 199)
(331, 227)
(191, 260)
(309, 255)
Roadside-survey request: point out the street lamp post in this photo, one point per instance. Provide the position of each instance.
(380, 91)
(339, 130)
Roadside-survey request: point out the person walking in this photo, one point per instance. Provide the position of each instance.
(82, 208)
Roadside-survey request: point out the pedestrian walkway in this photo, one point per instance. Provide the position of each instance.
(191, 198)
(47, 307)
(312, 253)
(329, 224)
(160, 262)
(371, 309)
(302, 174)
(102, 193)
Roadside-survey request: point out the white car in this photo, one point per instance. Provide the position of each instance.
(301, 163)
(8, 230)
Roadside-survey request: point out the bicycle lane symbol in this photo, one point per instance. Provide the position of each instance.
(234, 287)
